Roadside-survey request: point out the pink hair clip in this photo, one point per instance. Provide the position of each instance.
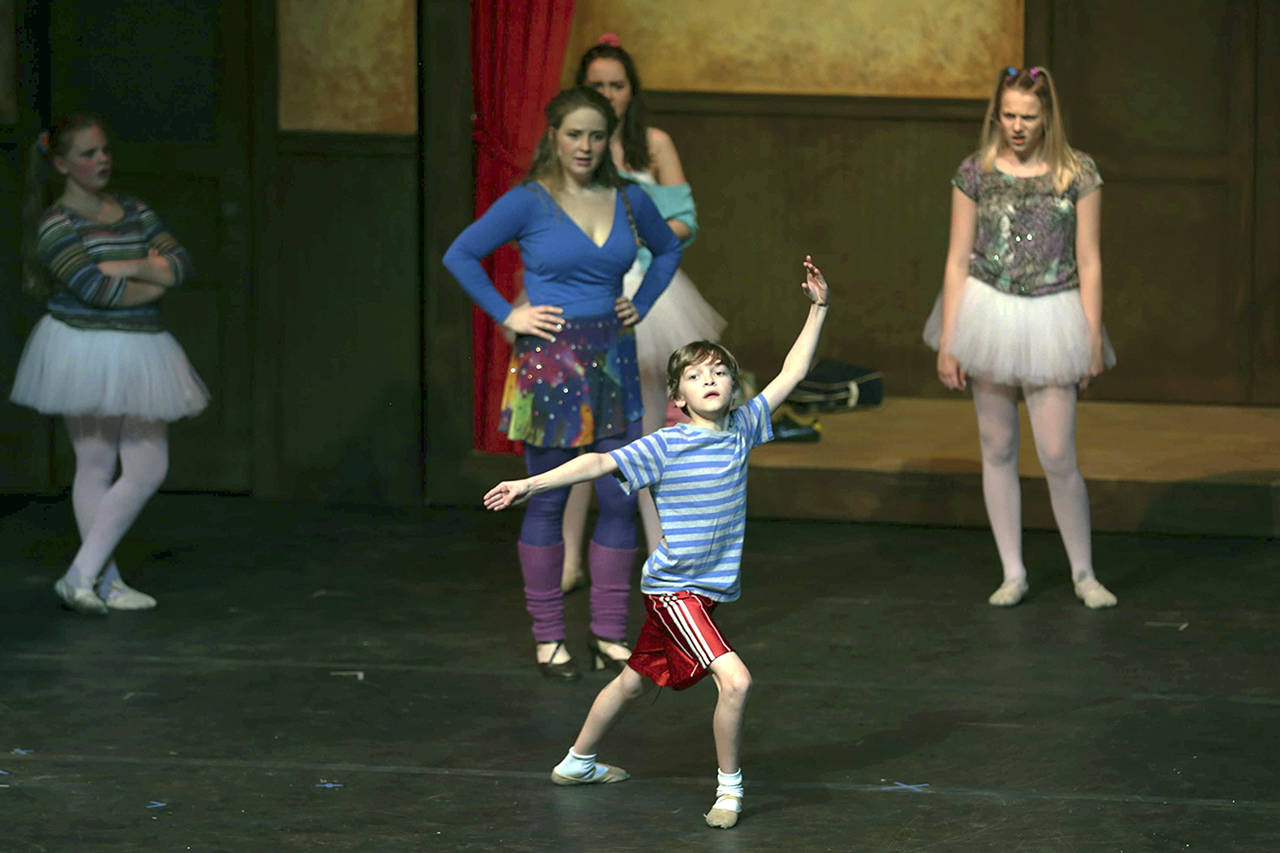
(611, 39)
(1034, 71)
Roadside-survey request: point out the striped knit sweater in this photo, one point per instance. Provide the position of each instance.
(71, 247)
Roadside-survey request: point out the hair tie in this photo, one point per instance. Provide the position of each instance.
(1034, 71)
(42, 141)
(611, 39)
(1011, 71)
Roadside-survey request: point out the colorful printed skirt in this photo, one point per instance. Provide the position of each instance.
(575, 390)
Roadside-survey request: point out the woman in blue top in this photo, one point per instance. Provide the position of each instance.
(101, 357)
(573, 383)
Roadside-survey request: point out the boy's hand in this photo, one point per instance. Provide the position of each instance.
(814, 285)
(507, 493)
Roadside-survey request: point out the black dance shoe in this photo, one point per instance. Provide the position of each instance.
(600, 660)
(563, 671)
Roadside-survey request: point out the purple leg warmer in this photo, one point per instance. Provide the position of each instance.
(541, 566)
(610, 587)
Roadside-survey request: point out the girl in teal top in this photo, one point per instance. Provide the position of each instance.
(647, 156)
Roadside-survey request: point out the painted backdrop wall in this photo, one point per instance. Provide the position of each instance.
(879, 48)
(348, 66)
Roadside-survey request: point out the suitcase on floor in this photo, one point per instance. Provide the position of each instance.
(835, 386)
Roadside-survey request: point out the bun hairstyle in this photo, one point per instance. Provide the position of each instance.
(635, 123)
(39, 190)
(1064, 165)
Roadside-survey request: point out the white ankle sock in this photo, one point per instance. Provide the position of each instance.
(728, 787)
(577, 766)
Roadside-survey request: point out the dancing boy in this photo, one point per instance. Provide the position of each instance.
(697, 473)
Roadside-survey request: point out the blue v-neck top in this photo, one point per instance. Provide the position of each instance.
(562, 266)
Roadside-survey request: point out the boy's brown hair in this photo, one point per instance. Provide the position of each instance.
(696, 353)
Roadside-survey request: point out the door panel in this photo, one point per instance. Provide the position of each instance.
(1170, 118)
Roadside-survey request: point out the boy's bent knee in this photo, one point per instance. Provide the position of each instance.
(732, 676)
(632, 684)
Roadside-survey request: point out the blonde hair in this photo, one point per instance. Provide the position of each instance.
(1063, 163)
(697, 353)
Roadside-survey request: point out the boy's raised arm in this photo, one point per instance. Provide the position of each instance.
(796, 365)
(580, 469)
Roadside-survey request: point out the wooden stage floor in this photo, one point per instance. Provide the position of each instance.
(1150, 468)
(355, 679)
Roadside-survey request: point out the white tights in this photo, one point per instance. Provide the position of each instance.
(105, 505)
(1053, 424)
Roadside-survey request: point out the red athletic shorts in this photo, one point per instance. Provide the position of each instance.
(679, 639)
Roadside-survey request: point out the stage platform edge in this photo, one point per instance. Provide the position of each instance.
(1211, 470)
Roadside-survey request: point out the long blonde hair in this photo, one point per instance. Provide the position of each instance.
(1064, 165)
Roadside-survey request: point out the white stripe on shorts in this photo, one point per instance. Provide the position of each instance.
(683, 626)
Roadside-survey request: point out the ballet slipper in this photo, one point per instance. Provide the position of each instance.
(610, 774)
(1094, 595)
(719, 818)
(1010, 593)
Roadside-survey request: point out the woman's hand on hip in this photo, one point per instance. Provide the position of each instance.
(626, 310)
(541, 321)
(950, 371)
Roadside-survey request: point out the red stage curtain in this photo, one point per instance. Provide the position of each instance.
(517, 54)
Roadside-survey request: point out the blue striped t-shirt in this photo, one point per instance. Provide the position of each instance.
(698, 479)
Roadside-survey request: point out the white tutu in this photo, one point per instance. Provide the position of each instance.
(70, 371)
(1016, 340)
(680, 316)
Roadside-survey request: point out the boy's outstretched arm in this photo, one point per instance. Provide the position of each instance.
(580, 469)
(796, 365)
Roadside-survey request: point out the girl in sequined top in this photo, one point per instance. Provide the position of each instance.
(1021, 310)
(573, 383)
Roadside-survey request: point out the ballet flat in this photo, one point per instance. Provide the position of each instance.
(724, 818)
(1094, 595)
(121, 596)
(610, 774)
(79, 599)
(1009, 594)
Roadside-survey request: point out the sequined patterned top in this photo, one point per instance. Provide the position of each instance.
(1026, 238)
